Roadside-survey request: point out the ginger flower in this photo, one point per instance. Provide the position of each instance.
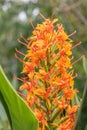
(49, 76)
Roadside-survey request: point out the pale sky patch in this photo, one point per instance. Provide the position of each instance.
(22, 16)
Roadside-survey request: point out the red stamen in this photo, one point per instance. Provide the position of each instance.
(21, 35)
(42, 16)
(29, 66)
(22, 43)
(22, 95)
(76, 45)
(52, 15)
(32, 24)
(19, 52)
(22, 80)
(76, 75)
(77, 60)
(72, 57)
(18, 58)
(72, 33)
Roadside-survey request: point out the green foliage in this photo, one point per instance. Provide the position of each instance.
(20, 116)
(85, 65)
(4, 123)
(82, 115)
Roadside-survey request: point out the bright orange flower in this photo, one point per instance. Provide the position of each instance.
(41, 117)
(72, 110)
(62, 104)
(49, 81)
(67, 125)
(69, 93)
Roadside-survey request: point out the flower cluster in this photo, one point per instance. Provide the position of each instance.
(49, 76)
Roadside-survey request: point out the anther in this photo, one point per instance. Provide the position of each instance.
(42, 16)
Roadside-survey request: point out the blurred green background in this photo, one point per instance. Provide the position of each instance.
(14, 20)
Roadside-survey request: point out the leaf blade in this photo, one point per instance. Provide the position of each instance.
(21, 116)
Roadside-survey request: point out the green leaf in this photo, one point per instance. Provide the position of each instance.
(22, 118)
(82, 115)
(4, 122)
(85, 64)
(81, 122)
(76, 100)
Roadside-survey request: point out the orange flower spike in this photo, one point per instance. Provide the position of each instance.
(49, 71)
